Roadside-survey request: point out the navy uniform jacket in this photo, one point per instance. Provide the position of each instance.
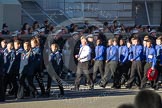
(112, 53)
(136, 51)
(1, 62)
(159, 53)
(99, 52)
(123, 54)
(37, 57)
(3, 50)
(16, 64)
(57, 62)
(9, 58)
(26, 61)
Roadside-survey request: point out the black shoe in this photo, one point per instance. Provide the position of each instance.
(103, 86)
(156, 87)
(35, 94)
(62, 92)
(117, 87)
(2, 100)
(48, 93)
(122, 81)
(128, 86)
(27, 94)
(91, 87)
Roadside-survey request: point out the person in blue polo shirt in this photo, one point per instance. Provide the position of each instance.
(111, 63)
(150, 61)
(123, 62)
(99, 59)
(158, 49)
(136, 50)
(130, 56)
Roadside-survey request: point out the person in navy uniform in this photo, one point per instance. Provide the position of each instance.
(2, 72)
(55, 59)
(16, 64)
(100, 51)
(37, 64)
(111, 64)
(123, 62)
(129, 63)
(115, 43)
(26, 71)
(9, 58)
(158, 49)
(2, 77)
(136, 51)
(3, 45)
(83, 58)
(18, 51)
(150, 61)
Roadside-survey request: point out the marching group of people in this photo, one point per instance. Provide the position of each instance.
(127, 61)
(21, 63)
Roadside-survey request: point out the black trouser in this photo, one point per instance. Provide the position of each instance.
(32, 88)
(129, 64)
(144, 79)
(59, 85)
(159, 68)
(122, 71)
(10, 79)
(83, 68)
(98, 65)
(39, 79)
(136, 67)
(2, 88)
(110, 70)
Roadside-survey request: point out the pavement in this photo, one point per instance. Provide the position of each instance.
(97, 98)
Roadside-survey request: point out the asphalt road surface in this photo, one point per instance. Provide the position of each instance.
(97, 98)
